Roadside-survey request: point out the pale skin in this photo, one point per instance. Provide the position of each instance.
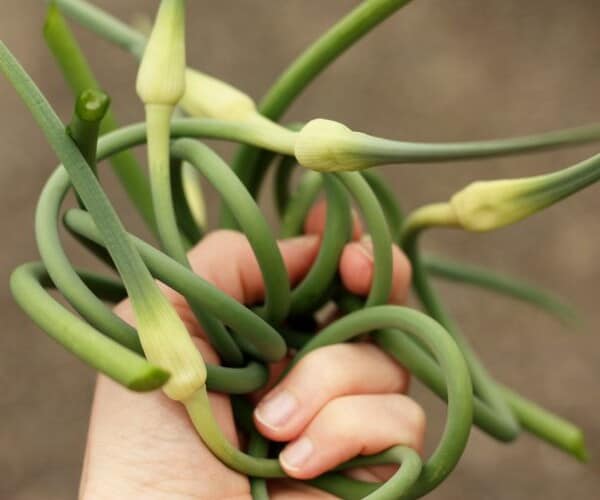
(338, 402)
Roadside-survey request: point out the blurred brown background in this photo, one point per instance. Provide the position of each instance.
(438, 70)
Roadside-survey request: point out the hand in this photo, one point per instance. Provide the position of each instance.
(338, 402)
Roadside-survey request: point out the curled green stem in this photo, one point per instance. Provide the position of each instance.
(188, 201)
(506, 424)
(281, 183)
(309, 188)
(388, 200)
(250, 219)
(311, 292)
(105, 355)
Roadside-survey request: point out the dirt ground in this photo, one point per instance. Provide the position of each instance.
(437, 71)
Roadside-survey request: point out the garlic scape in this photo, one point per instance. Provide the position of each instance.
(330, 146)
(487, 205)
(161, 83)
(163, 335)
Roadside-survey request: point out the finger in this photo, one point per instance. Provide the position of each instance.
(356, 270)
(322, 376)
(351, 426)
(317, 216)
(226, 259)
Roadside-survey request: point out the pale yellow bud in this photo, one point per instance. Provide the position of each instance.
(483, 206)
(161, 76)
(167, 344)
(329, 146)
(209, 97)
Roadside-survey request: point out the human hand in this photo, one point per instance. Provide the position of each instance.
(337, 402)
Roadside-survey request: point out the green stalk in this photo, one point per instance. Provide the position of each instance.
(90, 109)
(250, 219)
(103, 24)
(200, 412)
(364, 197)
(258, 447)
(188, 201)
(387, 198)
(61, 271)
(502, 284)
(154, 314)
(80, 77)
(483, 383)
(323, 52)
(343, 486)
(158, 118)
(312, 292)
(194, 196)
(297, 207)
(378, 228)
(27, 284)
(547, 426)
(209, 128)
(281, 183)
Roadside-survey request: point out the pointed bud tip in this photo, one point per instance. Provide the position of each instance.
(161, 76)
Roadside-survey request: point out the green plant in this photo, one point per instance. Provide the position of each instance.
(337, 159)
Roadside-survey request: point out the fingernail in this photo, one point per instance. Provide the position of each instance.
(276, 411)
(295, 455)
(366, 247)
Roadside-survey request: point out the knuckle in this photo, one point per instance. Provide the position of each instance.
(330, 364)
(412, 413)
(335, 415)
